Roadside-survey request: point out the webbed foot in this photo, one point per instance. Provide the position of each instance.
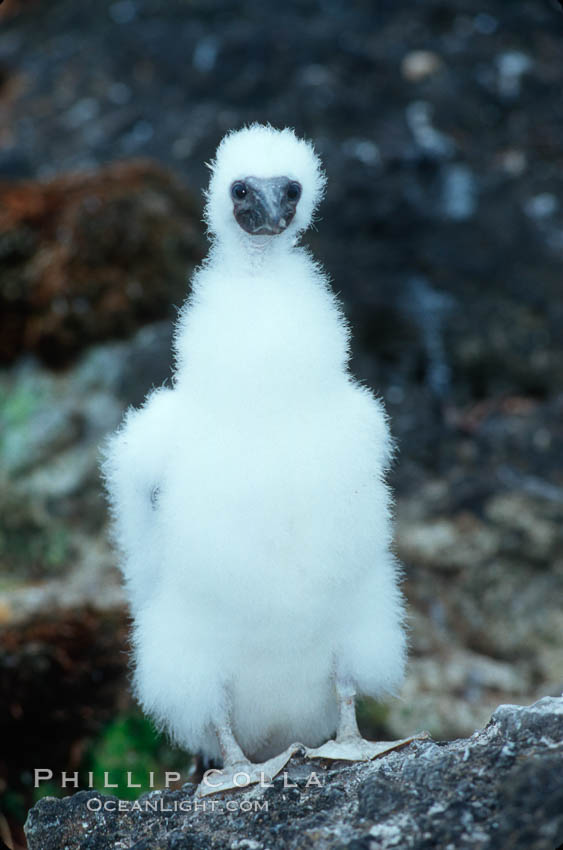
(356, 748)
(243, 773)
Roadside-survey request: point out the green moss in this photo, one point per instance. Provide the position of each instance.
(417, 720)
(31, 550)
(47, 789)
(8, 583)
(57, 549)
(372, 717)
(12, 804)
(18, 405)
(130, 743)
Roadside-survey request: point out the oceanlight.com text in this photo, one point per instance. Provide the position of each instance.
(95, 804)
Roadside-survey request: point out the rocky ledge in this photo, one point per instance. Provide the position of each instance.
(500, 788)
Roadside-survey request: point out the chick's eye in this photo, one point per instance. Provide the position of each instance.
(238, 190)
(294, 191)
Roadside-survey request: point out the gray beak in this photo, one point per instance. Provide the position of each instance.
(265, 206)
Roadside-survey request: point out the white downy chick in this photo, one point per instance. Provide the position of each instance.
(249, 499)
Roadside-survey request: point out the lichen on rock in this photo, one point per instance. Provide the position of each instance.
(91, 256)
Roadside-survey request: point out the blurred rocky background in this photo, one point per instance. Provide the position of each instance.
(441, 128)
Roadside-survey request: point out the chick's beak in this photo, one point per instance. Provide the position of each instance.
(266, 209)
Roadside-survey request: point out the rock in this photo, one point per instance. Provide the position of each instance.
(63, 623)
(61, 676)
(419, 64)
(447, 545)
(459, 192)
(90, 256)
(52, 426)
(512, 65)
(499, 788)
(485, 578)
(513, 162)
(541, 206)
(433, 142)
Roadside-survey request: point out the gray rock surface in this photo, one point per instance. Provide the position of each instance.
(500, 788)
